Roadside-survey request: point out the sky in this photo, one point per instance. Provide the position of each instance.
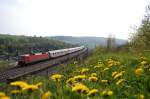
(71, 17)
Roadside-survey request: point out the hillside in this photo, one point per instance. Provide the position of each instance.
(14, 45)
(91, 42)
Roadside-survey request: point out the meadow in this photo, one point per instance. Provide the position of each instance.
(111, 75)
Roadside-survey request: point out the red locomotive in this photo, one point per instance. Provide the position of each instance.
(31, 58)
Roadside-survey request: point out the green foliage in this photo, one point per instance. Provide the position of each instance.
(14, 45)
(141, 39)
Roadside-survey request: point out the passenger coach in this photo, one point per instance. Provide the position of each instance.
(31, 58)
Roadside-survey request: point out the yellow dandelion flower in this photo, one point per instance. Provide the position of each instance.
(122, 72)
(99, 61)
(110, 61)
(143, 58)
(39, 84)
(92, 92)
(97, 66)
(84, 70)
(15, 92)
(143, 63)
(109, 93)
(93, 75)
(114, 73)
(93, 79)
(2, 94)
(104, 81)
(70, 81)
(119, 81)
(56, 77)
(80, 88)
(138, 71)
(104, 92)
(141, 96)
(79, 77)
(30, 87)
(46, 95)
(5, 97)
(110, 65)
(118, 75)
(106, 69)
(117, 63)
(21, 84)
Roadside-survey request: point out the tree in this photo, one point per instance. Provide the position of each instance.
(141, 39)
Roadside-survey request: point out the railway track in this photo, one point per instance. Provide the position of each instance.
(22, 71)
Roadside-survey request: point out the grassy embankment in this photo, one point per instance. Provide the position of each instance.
(102, 76)
(4, 65)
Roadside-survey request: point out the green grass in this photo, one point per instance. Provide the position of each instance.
(4, 65)
(133, 87)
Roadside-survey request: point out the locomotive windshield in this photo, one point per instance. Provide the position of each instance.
(20, 58)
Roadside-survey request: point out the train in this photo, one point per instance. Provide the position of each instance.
(37, 57)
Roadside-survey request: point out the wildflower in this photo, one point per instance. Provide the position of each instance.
(118, 75)
(15, 92)
(106, 69)
(83, 70)
(141, 96)
(46, 95)
(104, 92)
(98, 66)
(80, 88)
(99, 61)
(122, 72)
(104, 81)
(117, 63)
(110, 65)
(107, 93)
(93, 75)
(79, 77)
(143, 58)
(110, 93)
(93, 79)
(138, 71)
(39, 84)
(119, 81)
(110, 62)
(56, 77)
(30, 87)
(114, 73)
(92, 92)
(70, 81)
(143, 63)
(20, 84)
(3, 96)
